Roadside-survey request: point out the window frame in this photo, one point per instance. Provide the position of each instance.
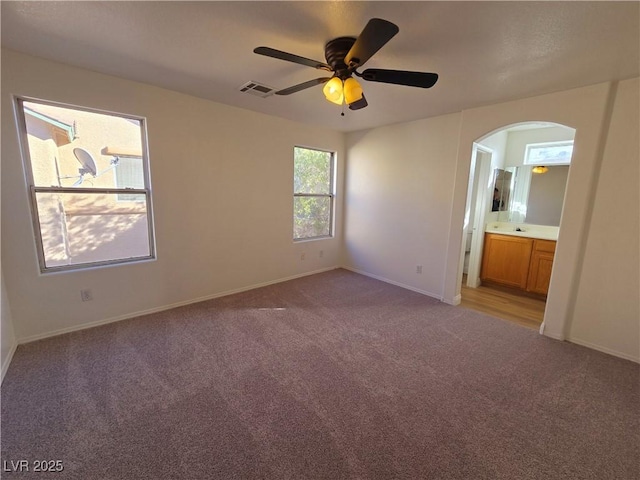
(331, 195)
(33, 190)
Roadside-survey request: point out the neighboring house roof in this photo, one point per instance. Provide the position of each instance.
(119, 151)
(64, 132)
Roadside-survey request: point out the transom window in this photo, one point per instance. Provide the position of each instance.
(549, 153)
(88, 174)
(313, 193)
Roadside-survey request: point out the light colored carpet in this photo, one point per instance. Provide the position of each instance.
(334, 376)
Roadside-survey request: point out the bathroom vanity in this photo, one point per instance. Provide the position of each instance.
(519, 256)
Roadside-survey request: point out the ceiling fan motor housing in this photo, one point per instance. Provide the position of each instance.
(334, 51)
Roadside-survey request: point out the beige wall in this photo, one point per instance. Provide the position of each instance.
(222, 184)
(422, 203)
(398, 201)
(607, 311)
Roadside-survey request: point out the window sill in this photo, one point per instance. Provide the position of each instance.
(313, 239)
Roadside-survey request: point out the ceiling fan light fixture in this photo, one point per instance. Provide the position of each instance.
(344, 55)
(540, 169)
(352, 90)
(333, 91)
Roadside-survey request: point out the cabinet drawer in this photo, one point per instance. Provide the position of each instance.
(544, 246)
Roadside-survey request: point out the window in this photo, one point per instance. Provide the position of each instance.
(312, 193)
(550, 153)
(91, 201)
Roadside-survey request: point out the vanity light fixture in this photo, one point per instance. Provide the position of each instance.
(540, 169)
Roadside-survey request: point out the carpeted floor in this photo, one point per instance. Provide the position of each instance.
(334, 376)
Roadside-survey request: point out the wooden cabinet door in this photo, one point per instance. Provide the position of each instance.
(541, 265)
(506, 259)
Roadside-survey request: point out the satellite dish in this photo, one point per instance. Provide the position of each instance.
(86, 160)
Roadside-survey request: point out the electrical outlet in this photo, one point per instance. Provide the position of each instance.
(321, 254)
(303, 256)
(418, 268)
(86, 295)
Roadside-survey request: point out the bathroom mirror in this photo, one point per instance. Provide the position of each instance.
(502, 182)
(536, 198)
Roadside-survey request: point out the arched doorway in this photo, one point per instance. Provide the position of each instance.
(587, 111)
(506, 194)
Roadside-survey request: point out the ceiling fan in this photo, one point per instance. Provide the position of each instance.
(344, 55)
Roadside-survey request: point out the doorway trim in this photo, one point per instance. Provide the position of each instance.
(477, 203)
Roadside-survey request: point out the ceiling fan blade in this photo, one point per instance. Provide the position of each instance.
(359, 104)
(372, 38)
(400, 77)
(302, 86)
(290, 57)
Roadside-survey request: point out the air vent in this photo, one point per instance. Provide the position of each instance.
(258, 89)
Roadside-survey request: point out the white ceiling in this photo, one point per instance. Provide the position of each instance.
(484, 52)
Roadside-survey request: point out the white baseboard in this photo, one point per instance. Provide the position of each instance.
(7, 361)
(392, 282)
(457, 300)
(106, 321)
(555, 336)
(602, 349)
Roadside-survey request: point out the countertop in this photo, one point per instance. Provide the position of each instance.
(542, 232)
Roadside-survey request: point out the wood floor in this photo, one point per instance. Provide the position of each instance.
(505, 304)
